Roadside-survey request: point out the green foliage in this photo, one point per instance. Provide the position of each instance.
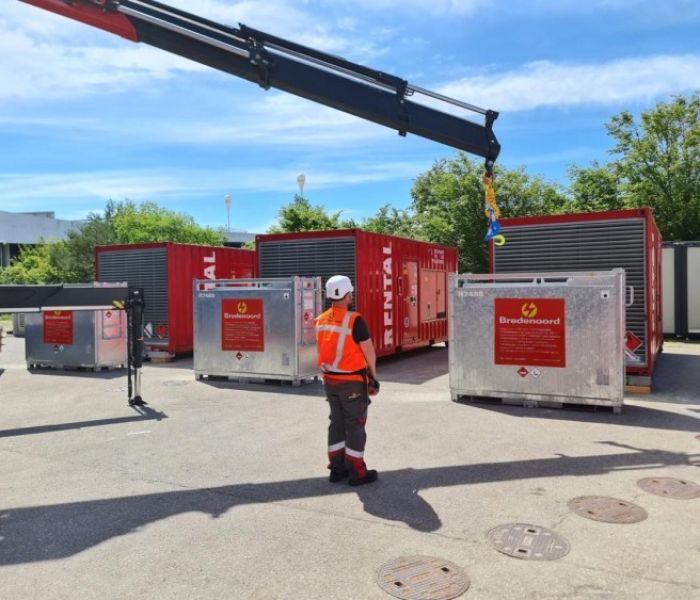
(72, 260)
(301, 215)
(659, 164)
(392, 221)
(34, 265)
(148, 222)
(448, 202)
(595, 188)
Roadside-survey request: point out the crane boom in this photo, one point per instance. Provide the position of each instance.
(274, 62)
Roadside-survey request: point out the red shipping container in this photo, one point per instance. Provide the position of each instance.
(400, 284)
(597, 241)
(165, 271)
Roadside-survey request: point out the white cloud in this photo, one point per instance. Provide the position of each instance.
(273, 120)
(75, 188)
(51, 57)
(435, 7)
(548, 84)
(46, 71)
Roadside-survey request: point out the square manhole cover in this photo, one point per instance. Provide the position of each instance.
(423, 578)
(607, 510)
(529, 542)
(669, 487)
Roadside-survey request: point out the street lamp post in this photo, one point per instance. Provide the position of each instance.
(227, 202)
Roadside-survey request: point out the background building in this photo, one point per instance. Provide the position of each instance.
(18, 229)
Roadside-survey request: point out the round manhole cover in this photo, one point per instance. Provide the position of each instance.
(423, 578)
(529, 542)
(608, 510)
(669, 487)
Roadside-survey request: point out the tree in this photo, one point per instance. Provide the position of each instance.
(659, 164)
(72, 260)
(595, 188)
(149, 222)
(32, 266)
(448, 201)
(392, 221)
(300, 215)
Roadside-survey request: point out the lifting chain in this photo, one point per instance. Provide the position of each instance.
(492, 211)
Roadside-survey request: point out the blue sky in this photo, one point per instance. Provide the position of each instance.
(86, 116)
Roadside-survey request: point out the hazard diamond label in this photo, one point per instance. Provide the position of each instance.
(523, 372)
(632, 342)
(239, 356)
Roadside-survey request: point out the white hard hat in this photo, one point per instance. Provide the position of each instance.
(338, 286)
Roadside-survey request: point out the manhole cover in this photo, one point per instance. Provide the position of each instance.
(423, 578)
(679, 489)
(529, 542)
(608, 510)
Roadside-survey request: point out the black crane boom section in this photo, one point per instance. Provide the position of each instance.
(271, 61)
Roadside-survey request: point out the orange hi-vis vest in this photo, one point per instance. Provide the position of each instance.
(339, 356)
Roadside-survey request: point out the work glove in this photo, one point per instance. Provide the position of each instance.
(373, 387)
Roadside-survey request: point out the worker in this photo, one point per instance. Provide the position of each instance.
(347, 360)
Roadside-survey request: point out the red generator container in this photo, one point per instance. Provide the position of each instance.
(597, 241)
(165, 271)
(400, 284)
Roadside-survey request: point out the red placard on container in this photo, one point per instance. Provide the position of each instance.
(242, 325)
(58, 327)
(530, 331)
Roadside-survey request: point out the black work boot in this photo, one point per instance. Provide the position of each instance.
(339, 470)
(338, 475)
(370, 477)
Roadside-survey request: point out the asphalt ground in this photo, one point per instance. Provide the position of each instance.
(219, 490)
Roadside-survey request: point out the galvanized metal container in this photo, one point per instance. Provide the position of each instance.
(92, 339)
(597, 241)
(18, 324)
(256, 328)
(538, 337)
(400, 284)
(681, 289)
(165, 271)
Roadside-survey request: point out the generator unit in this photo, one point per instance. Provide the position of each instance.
(400, 284)
(597, 241)
(681, 288)
(165, 271)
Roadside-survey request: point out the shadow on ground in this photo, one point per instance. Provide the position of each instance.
(632, 416)
(414, 366)
(40, 533)
(83, 374)
(676, 378)
(144, 414)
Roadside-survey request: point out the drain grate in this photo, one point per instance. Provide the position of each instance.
(607, 510)
(669, 487)
(423, 578)
(529, 542)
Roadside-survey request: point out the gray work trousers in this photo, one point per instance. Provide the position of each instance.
(348, 402)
